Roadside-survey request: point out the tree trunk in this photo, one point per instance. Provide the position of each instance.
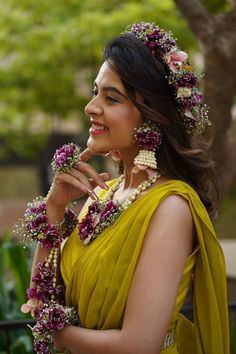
(217, 34)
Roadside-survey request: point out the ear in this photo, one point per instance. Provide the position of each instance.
(116, 156)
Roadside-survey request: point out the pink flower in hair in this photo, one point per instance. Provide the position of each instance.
(175, 59)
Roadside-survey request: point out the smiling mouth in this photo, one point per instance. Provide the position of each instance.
(98, 129)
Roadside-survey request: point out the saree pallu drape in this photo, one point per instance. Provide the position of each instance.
(98, 276)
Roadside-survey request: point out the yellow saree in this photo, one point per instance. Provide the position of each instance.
(98, 276)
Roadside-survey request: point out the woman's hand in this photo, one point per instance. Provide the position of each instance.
(75, 183)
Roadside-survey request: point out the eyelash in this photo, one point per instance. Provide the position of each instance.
(110, 99)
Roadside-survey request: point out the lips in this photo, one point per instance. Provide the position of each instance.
(97, 128)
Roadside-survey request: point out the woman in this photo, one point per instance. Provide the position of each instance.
(129, 275)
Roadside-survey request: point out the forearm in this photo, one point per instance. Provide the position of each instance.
(88, 341)
(79, 340)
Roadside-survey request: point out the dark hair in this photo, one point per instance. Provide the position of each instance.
(180, 155)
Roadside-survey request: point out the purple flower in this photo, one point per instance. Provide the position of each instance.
(40, 326)
(63, 154)
(169, 44)
(56, 318)
(46, 271)
(39, 208)
(41, 347)
(32, 293)
(69, 224)
(189, 102)
(139, 27)
(65, 157)
(86, 227)
(148, 140)
(38, 221)
(109, 209)
(187, 80)
(153, 39)
(51, 237)
(94, 207)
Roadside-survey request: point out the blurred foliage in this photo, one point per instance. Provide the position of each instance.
(50, 52)
(216, 6)
(15, 267)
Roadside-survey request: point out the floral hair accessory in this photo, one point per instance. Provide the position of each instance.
(180, 74)
(35, 227)
(66, 157)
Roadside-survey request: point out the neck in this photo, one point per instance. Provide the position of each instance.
(131, 180)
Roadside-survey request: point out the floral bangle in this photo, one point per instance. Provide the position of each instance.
(51, 317)
(35, 226)
(46, 301)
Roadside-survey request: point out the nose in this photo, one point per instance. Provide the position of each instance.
(93, 107)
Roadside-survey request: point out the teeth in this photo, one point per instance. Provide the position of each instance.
(99, 127)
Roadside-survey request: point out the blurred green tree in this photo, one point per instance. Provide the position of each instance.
(50, 52)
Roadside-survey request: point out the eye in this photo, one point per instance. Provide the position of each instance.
(111, 99)
(94, 92)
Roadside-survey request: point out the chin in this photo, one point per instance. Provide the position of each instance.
(96, 146)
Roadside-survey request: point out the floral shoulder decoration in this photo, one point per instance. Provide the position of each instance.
(181, 75)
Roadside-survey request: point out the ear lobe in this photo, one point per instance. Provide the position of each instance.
(116, 156)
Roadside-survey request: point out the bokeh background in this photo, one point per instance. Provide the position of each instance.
(50, 52)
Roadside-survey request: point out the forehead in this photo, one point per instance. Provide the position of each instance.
(106, 76)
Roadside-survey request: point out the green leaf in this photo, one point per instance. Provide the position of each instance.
(16, 258)
(22, 345)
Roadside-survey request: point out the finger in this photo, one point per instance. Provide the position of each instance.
(67, 178)
(88, 153)
(80, 176)
(105, 176)
(92, 173)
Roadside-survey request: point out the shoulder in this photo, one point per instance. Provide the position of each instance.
(174, 205)
(171, 227)
(173, 210)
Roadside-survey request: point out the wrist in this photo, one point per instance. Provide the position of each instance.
(55, 213)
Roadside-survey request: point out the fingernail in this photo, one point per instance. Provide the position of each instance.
(87, 190)
(104, 186)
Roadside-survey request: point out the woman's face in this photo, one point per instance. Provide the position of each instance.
(112, 114)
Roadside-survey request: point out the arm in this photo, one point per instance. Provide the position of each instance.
(66, 188)
(153, 291)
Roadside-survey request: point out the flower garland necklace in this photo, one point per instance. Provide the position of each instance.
(102, 214)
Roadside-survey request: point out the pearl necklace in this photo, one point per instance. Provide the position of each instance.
(102, 214)
(133, 196)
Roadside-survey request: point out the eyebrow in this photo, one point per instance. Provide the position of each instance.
(112, 88)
